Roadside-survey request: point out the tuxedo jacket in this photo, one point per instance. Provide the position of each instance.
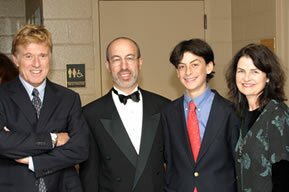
(29, 136)
(113, 164)
(214, 169)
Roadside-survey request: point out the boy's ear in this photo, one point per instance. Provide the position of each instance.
(210, 67)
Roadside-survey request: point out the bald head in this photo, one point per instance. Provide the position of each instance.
(120, 39)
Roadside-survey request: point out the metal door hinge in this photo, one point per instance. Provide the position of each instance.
(205, 22)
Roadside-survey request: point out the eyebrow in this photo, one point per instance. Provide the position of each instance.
(195, 60)
(130, 54)
(191, 61)
(249, 69)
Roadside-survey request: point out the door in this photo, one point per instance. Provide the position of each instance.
(157, 26)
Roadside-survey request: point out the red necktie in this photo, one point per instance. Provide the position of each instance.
(194, 132)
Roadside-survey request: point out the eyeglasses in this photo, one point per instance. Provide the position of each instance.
(130, 59)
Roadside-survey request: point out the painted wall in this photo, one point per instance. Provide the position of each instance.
(255, 20)
(219, 36)
(75, 28)
(252, 21)
(282, 36)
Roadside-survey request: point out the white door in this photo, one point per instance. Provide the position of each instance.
(157, 26)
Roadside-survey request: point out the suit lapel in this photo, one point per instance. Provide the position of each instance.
(50, 102)
(184, 130)
(149, 129)
(21, 98)
(115, 128)
(214, 121)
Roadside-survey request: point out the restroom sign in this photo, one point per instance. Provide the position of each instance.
(75, 74)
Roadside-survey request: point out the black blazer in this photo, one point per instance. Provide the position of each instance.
(214, 169)
(113, 164)
(61, 112)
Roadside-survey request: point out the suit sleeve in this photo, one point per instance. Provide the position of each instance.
(73, 152)
(167, 150)
(234, 129)
(15, 145)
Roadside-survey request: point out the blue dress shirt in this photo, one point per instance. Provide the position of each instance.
(203, 107)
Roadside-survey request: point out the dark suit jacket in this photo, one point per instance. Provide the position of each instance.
(214, 169)
(113, 164)
(28, 136)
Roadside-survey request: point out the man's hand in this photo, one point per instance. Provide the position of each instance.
(62, 138)
(23, 160)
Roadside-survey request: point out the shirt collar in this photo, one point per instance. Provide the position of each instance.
(198, 100)
(121, 92)
(29, 88)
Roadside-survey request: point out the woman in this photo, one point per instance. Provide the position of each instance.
(256, 86)
(8, 70)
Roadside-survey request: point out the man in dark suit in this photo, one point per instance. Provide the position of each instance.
(42, 132)
(126, 137)
(200, 162)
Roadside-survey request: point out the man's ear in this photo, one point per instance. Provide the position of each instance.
(107, 66)
(15, 60)
(140, 63)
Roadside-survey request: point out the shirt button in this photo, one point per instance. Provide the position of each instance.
(196, 174)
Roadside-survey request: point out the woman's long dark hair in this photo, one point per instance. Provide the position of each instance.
(8, 70)
(266, 61)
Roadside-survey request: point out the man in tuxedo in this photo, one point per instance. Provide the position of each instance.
(126, 137)
(200, 127)
(42, 132)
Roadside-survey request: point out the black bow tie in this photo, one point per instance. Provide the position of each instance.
(123, 98)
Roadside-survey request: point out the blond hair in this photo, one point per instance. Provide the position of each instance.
(31, 34)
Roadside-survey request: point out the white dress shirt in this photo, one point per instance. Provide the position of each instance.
(131, 116)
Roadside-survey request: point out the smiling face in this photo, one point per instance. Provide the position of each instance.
(124, 64)
(249, 79)
(192, 72)
(33, 61)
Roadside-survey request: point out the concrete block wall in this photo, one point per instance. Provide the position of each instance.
(72, 27)
(10, 22)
